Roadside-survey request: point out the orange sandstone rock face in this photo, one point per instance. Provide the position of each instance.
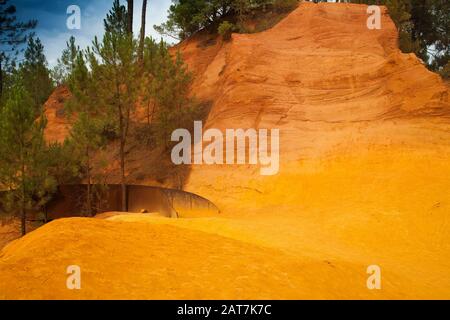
(364, 151)
(326, 81)
(58, 126)
(364, 167)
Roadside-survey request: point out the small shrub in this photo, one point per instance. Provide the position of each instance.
(109, 132)
(225, 30)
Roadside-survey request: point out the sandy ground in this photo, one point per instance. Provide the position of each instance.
(364, 180)
(318, 249)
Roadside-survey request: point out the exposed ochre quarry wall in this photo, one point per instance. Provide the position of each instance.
(364, 180)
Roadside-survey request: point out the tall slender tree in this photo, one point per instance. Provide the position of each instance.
(117, 19)
(24, 169)
(130, 11)
(62, 71)
(142, 34)
(12, 35)
(118, 73)
(86, 133)
(165, 92)
(35, 74)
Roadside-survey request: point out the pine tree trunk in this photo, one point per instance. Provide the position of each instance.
(153, 110)
(122, 160)
(23, 215)
(122, 134)
(23, 220)
(89, 189)
(148, 113)
(89, 201)
(45, 214)
(122, 173)
(142, 35)
(130, 17)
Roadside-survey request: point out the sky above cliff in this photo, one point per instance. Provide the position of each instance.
(52, 17)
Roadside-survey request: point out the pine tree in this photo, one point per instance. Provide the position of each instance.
(35, 74)
(23, 156)
(423, 27)
(150, 62)
(431, 28)
(64, 163)
(166, 89)
(130, 11)
(86, 136)
(116, 20)
(86, 133)
(118, 73)
(62, 71)
(142, 33)
(178, 110)
(12, 35)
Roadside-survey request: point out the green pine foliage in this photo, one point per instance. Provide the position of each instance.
(13, 34)
(86, 133)
(225, 30)
(114, 65)
(23, 154)
(424, 26)
(116, 19)
(186, 17)
(166, 90)
(64, 68)
(35, 73)
(108, 81)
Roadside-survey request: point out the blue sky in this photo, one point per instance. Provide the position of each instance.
(52, 17)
